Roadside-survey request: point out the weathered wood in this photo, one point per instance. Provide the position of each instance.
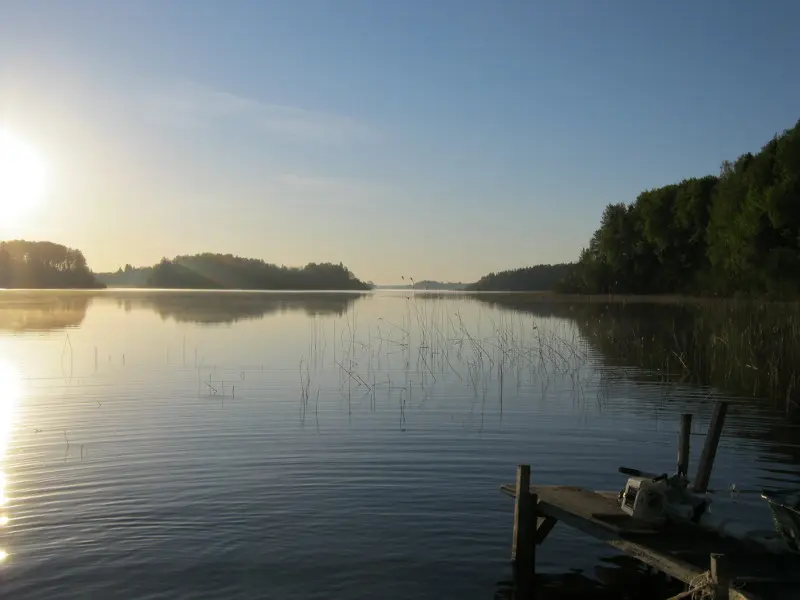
(672, 566)
(523, 548)
(584, 509)
(684, 444)
(598, 514)
(544, 525)
(720, 577)
(533, 526)
(522, 505)
(733, 595)
(710, 447)
(675, 567)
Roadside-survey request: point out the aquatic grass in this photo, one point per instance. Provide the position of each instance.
(431, 340)
(743, 346)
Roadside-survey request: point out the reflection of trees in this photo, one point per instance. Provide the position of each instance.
(42, 311)
(745, 347)
(229, 307)
(749, 349)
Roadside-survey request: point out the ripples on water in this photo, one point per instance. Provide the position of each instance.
(157, 445)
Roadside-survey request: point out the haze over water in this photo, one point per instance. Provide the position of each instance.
(281, 445)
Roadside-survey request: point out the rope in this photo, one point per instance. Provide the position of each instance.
(700, 588)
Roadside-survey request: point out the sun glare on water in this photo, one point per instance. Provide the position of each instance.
(23, 178)
(10, 393)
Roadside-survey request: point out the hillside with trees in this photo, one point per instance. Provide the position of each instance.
(126, 277)
(37, 265)
(738, 232)
(538, 278)
(225, 271)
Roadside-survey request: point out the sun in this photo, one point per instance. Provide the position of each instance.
(23, 178)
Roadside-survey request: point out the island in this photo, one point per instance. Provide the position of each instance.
(43, 265)
(229, 272)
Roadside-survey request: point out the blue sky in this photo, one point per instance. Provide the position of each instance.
(429, 139)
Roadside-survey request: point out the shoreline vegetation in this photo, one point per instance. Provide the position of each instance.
(45, 265)
(225, 271)
(538, 278)
(734, 234)
(718, 255)
(746, 346)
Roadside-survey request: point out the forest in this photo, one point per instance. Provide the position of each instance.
(128, 277)
(225, 271)
(737, 233)
(43, 265)
(538, 278)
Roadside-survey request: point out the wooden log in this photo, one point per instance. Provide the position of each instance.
(521, 510)
(720, 577)
(710, 447)
(532, 530)
(523, 547)
(684, 444)
(544, 525)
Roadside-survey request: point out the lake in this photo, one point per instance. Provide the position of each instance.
(295, 445)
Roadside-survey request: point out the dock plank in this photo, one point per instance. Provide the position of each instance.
(597, 511)
(679, 551)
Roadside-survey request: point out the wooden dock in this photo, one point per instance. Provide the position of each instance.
(723, 567)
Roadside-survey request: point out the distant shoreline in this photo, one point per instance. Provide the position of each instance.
(498, 296)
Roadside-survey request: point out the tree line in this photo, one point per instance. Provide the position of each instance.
(531, 279)
(38, 265)
(26, 264)
(735, 233)
(226, 271)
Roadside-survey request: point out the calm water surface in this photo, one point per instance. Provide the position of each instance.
(231, 445)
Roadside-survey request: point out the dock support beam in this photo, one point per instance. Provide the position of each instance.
(720, 577)
(684, 444)
(710, 447)
(523, 547)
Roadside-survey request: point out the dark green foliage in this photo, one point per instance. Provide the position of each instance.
(538, 278)
(225, 271)
(43, 265)
(427, 284)
(736, 233)
(127, 277)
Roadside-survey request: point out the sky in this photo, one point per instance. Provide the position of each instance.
(434, 140)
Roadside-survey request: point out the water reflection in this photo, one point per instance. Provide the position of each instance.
(677, 344)
(229, 307)
(47, 311)
(10, 391)
(10, 388)
(42, 310)
(744, 347)
(401, 404)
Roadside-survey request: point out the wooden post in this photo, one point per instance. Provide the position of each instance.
(684, 444)
(720, 577)
(710, 447)
(523, 548)
(532, 536)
